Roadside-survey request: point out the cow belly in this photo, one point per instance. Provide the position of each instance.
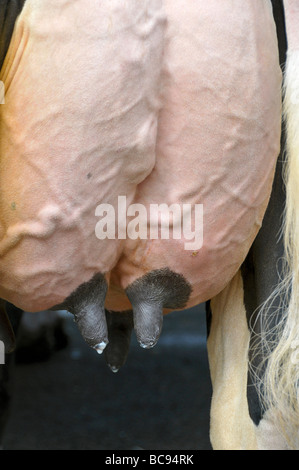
(217, 144)
(82, 125)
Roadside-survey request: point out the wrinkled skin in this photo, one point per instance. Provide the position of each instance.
(180, 115)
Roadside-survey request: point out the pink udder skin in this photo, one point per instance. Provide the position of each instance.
(142, 99)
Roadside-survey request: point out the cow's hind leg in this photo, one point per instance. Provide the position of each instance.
(231, 427)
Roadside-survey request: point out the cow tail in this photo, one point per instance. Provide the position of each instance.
(280, 384)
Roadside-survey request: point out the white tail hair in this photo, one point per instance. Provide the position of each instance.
(279, 386)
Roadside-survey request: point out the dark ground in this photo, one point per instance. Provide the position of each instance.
(158, 401)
